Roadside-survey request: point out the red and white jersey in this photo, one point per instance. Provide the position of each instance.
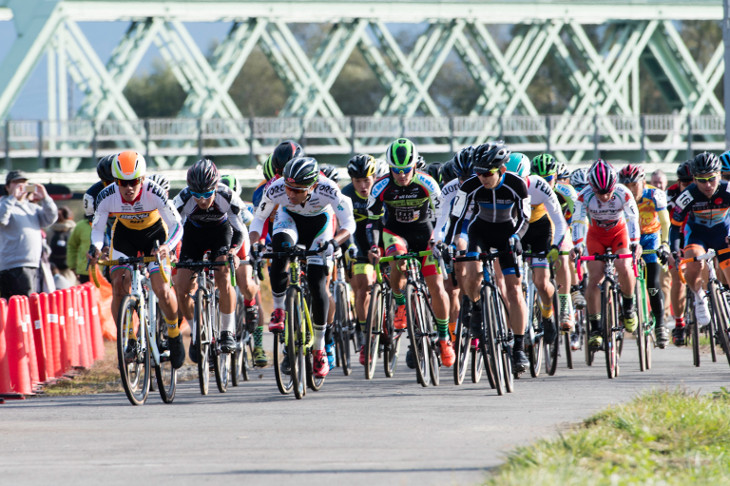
(150, 205)
(620, 209)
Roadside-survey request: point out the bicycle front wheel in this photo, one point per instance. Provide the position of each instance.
(342, 326)
(203, 338)
(722, 318)
(462, 341)
(534, 347)
(417, 328)
(376, 316)
(639, 299)
(491, 345)
(552, 349)
(165, 374)
(237, 371)
(609, 314)
(134, 366)
(295, 341)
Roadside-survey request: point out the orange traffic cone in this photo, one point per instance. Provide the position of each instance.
(85, 359)
(5, 385)
(15, 341)
(30, 341)
(36, 319)
(72, 329)
(47, 335)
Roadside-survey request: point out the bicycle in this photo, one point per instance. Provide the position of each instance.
(298, 335)
(343, 326)
(381, 337)
(495, 338)
(139, 317)
(613, 331)
(205, 330)
(242, 357)
(719, 327)
(645, 319)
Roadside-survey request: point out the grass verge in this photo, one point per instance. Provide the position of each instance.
(661, 437)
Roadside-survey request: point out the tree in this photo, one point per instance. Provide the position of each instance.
(155, 94)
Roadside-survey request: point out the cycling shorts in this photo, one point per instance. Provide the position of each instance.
(196, 241)
(484, 235)
(127, 243)
(598, 240)
(712, 237)
(310, 231)
(415, 241)
(650, 241)
(538, 239)
(363, 269)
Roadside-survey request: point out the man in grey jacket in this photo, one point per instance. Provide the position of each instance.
(21, 240)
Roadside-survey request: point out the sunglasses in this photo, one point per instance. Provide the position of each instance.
(202, 195)
(706, 179)
(486, 172)
(549, 178)
(404, 170)
(132, 183)
(296, 189)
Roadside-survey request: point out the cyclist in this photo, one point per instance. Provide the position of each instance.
(562, 174)
(705, 206)
(104, 171)
(410, 197)
(725, 170)
(434, 170)
(654, 226)
(606, 217)
(677, 293)
(361, 169)
(211, 220)
(546, 216)
(304, 198)
(144, 216)
(579, 179)
(496, 206)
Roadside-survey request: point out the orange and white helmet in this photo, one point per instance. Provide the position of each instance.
(128, 165)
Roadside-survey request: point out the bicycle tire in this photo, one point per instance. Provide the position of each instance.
(434, 351)
(391, 339)
(608, 325)
(237, 370)
(203, 339)
(640, 325)
(585, 336)
(649, 337)
(135, 376)
(221, 360)
(491, 346)
(294, 341)
(462, 342)
(552, 350)
(284, 381)
(417, 333)
(534, 349)
(565, 336)
(374, 329)
(722, 321)
(695, 330)
(504, 338)
(342, 325)
(165, 374)
(314, 383)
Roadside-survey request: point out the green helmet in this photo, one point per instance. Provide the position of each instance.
(544, 165)
(401, 154)
(268, 169)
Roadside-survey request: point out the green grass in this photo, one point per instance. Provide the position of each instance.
(662, 437)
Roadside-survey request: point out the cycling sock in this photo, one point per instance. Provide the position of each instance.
(546, 310)
(442, 325)
(228, 322)
(679, 321)
(258, 337)
(628, 303)
(249, 303)
(595, 322)
(319, 330)
(519, 342)
(452, 330)
(400, 299)
(173, 330)
(566, 303)
(278, 299)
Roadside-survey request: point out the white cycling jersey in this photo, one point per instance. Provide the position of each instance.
(448, 194)
(590, 210)
(326, 196)
(541, 193)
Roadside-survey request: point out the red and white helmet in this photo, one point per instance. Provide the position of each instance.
(602, 177)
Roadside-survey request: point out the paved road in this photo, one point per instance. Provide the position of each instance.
(388, 431)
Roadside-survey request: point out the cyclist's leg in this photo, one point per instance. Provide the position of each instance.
(440, 305)
(285, 235)
(395, 245)
(562, 270)
(184, 283)
(167, 301)
(653, 284)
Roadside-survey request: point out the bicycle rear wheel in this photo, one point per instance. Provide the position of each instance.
(313, 382)
(418, 333)
(284, 381)
(165, 374)
(462, 341)
(135, 374)
(376, 316)
(722, 319)
(609, 321)
(505, 339)
(295, 341)
(695, 330)
(565, 336)
(203, 338)
(341, 328)
(238, 371)
(434, 351)
(552, 349)
(491, 345)
(534, 348)
(221, 360)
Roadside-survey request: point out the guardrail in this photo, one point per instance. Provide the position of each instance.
(174, 137)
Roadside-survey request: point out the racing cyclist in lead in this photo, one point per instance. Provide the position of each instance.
(144, 216)
(497, 208)
(305, 202)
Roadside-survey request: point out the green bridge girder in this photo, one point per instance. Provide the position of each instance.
(604, 78)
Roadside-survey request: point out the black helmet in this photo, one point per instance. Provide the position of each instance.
(491, 155)
(362, 165)
(705, 163)
(448, 172)
(283, 153)
(330, 172)
(464, 162)
(161, 181)
(684, 171)
(434, 170)
(203, 176)
(104, 168)
(302, 170)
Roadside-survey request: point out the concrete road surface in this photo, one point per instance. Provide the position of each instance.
(354, 432)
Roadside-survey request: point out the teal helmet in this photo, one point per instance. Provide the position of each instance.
(518, 163)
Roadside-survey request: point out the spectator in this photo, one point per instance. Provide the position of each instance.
(59, 280)
(78, 245)
(659, 179)
(21, 239)
(57, 236)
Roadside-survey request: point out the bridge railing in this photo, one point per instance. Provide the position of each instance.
(174, 137)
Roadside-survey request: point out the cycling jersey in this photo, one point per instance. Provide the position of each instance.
(566, 197)
(707, 221)
(226, 209)
(362, 218)
(407, 206)
(150, 206)
(326, 194)
(611, 217)
(544, 201)
(507, 203)
(651, 202)
(448, 195)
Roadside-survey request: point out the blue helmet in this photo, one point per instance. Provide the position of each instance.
(518, 163)
(725, 159)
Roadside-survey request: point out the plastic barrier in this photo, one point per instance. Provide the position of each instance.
(54, 319)
(36, 320)
(50, 352)
(92, 304)
(72, 330)
(5, 385)
(30, 341)
(15, 341)
(85, 359)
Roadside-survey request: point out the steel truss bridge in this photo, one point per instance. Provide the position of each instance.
(603, 114)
